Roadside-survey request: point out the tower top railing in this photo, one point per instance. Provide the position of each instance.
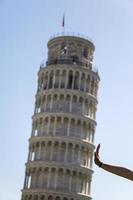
(45, 63)
(82, 36)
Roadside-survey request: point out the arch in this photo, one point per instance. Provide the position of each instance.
(65, 126)
(95, 88)
(40, 123)
(82, 84)
(50, 80)
(38, 178)
(50, 197)
(83, 156)
(87, 83)
(36, 197)
(70, 79)
(57, 74)
(51, 127)
(90, 109)
(48, 103)
(92, 86)
(67, 103)
(74, 103)
(30, 197)
(41, 80)
(72, 127)
(55, 152)
(61, 103)
(55, 103)
(76, 154)
(41, 156)
(42, 197)
(92, 131)
(59, 126)
(36, 150)
(76, 80)
(39, 104)
(69, 155)
(80, 105)
(88, 130)
(74, 182)
(36, 127)
(86, 107)
(45, 126)
(63, 79)
(60, 179)
(45, 177)
(46, 169)
(26, 197)
(45, 81)
(48, 151)
(78, 129)
(84, 130)
(75, 98)
(62, 151)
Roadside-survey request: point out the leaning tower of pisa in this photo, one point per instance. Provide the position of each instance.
(61, 146)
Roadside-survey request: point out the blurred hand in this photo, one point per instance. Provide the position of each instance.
(96, 156)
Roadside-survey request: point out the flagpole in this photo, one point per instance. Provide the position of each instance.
(63, 23)
(64, 29)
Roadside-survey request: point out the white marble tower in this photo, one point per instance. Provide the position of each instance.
(61, 146)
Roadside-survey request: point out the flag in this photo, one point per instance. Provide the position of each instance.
(63, 21)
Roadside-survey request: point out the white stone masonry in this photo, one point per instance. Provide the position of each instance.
(61, 146)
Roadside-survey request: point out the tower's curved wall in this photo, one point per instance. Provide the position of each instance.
(59, 165)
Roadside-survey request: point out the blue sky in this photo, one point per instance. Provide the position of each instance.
(25, 28)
